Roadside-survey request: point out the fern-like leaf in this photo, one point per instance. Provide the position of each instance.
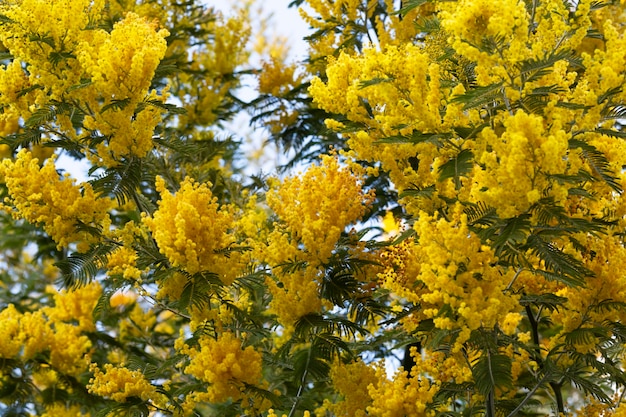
(492, 371)
(457, 167)
(122, 181)
(597, 161)
(559, 265)
(80, 268)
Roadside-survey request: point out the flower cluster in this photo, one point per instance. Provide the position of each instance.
(190, 229)
(119, 383)
(225, 365)
(57, 331)
(317, 207)
(107, 75)
(39, 195)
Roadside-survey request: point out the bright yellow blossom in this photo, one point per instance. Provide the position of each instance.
(41, 196)
(318, 206)
(119, 383)
(190, 229)
(225, 365)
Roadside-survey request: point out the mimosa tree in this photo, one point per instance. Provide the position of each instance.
(463, 204)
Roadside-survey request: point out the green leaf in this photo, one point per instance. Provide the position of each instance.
(122, 181)
(415, 137)
(311, 324)
(533, 69)
(612, 133)
(424, 192)
(167, 67)
(27, 137)
(308, 361)
(375, 81)
(170, 108)
(84, 82)
(581, 380)
(41, 116)
(585, 335)
(609, 94)
(5, 19)
(48, 40)
(409, 5)
(480, 214)
(80, 268)
(56, 57)
(198, 291)
(550, 302)
(430, 24)
(457, 167)
(563, 266)
(116, 105)
(492, 371)
(27, 90)
(572, 106)
(479, 96)
(338, 285)
(597, 161)
(512, 233)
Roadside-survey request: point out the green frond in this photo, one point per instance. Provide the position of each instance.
(368, 309)
(606, 306)
(430, 24)
(41, 116)
(609, 94)
(375, 81)
(84, 82)
(132, 407)
(5, 19)
(480, 215)
(585, 335)
(256, 392)
(457, 167)
(536, 100)
(416, 137)
(492, 371)
(533, 69)
(312, 324)
(548, 301)
(338, 285)
(56, 57)
(480, 96)
(572, 106)
(329, 346)
(28, 89)
(308, 362)
(581, 379)
(512, 233)
(44, 38)
(409, 5)
(116, 105)
(553, 220)
(611, 133)
(597, 161)
(559, 265)
(103, 306)
(170, 108)
(471, 131)
(24, 139)
(167, 66)
(80, 268)
(122, 181)
(198, 291)
(421, 192)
